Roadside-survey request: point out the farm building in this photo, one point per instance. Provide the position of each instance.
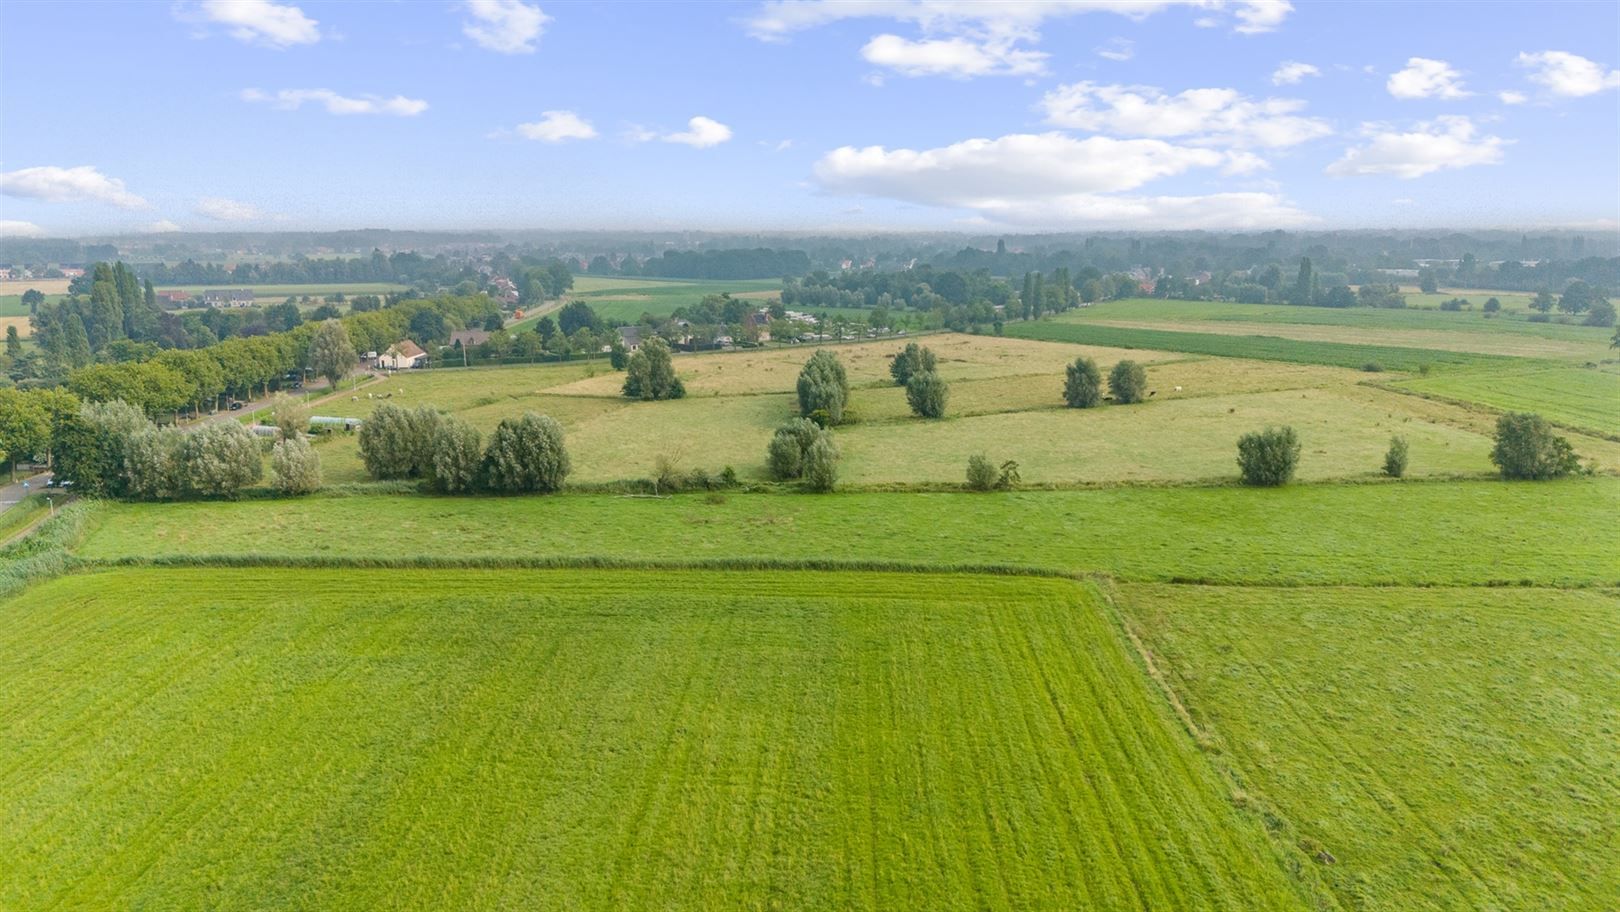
(228, 297)
(631, 336)
(173, 298)
(402, 356)
(468, 338)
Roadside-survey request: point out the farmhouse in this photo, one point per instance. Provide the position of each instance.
(631, 336)
(468, 338)
(173, 298)
(228, 297)
(402, 356)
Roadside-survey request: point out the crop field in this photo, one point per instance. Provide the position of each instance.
(25, 327)
(1429, 533)
(600, 740)
(1006, 402)
(1450, 749)
(1465, 331)
(1579, 397)
(623, 300)
(44, 286)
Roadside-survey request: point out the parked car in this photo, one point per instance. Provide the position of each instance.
(236, 405)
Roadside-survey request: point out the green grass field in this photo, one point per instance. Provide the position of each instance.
(585, 740)
(1450, 749)
(624, 300)
(1464, 331)
(1430, 533)
(1578, 397)
(1006, 402)
(274, 294)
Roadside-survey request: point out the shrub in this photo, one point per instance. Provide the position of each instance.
(914, 359)
(981, 473)
(220, 459)
(927, 394)
(295, 467)
(823, 385)
(1082, 384)
(152, 467)
(526, 454)
(457, 454)
(1601, 314)
(1492, 305)
(787, 449)
(1526, 447)
(1268, 457)
(1373, 367)
(821, 465)
(1009, 477)
(650, 373)
(1128, 382)
(1395, 458)
(290, 416)
(618, 358)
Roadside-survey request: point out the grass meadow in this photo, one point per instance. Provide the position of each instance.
(600, 740)
(1587, 398)
(1448, 749)
(1006, 402)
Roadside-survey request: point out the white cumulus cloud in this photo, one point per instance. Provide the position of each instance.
(1425, 78)
(293, 99)
(958, 58)
(556, 127)
(1290, 72)
(14, 228)
(1510, 97)
(261, 22)
(1568, 75)
(700, 133)
(1443, 143)
(1223, 116)
(221, 209)
(83, 184)
(505, 26)
(1117, 49)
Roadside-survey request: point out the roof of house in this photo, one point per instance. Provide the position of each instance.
(467, 338)
(630, 334)
(406, 349)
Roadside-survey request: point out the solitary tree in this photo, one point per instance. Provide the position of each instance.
(821, 465)
(1268, 457)
(1527, 448)
(981, 473)
(823, 387)
(914, 359)
(331, 353)
(927, 393)
(650, 373)
(526, 455)
(291, 416)
(295, 467)
(785, 455)
(1128, 382)
(1493, 305)
(1395, 458)
(1082, 384)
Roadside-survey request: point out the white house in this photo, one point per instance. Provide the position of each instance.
(402, 356)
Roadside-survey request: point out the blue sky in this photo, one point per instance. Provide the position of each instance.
(1092, 114)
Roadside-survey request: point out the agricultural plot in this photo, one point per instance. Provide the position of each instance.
(1006, 402)
(1431, 533)
(1579, 397)
(624, 300)
(595, 739)
(274, 294)
(1444, 749)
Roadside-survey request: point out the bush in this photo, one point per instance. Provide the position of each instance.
(650, 374)
(823, 386)
(290, 416)
(1128, 382)
(1082, 384)
(927, 394)
(220, 459)
(821, 465)
(1492, 305)
(1395, 458)
(914, 359)
(1373, 367)
(526, 455)
(1526, 447)
(786, 453)
(1269, 457)
(981, 473)
(152, 466)
(1601, 314)
(457, 455)
(295, 467)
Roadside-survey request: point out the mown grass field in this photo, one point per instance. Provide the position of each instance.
(1006, 402)
(623, 300)
(1449, 749)
(1430, 533)
(574, 739)
(1579, 397)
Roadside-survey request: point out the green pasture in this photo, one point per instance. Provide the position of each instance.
(1587, 398)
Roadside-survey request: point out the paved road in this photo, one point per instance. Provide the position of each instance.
(11, 493)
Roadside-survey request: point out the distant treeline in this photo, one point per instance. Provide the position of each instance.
(404, 267)
(756, 263)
